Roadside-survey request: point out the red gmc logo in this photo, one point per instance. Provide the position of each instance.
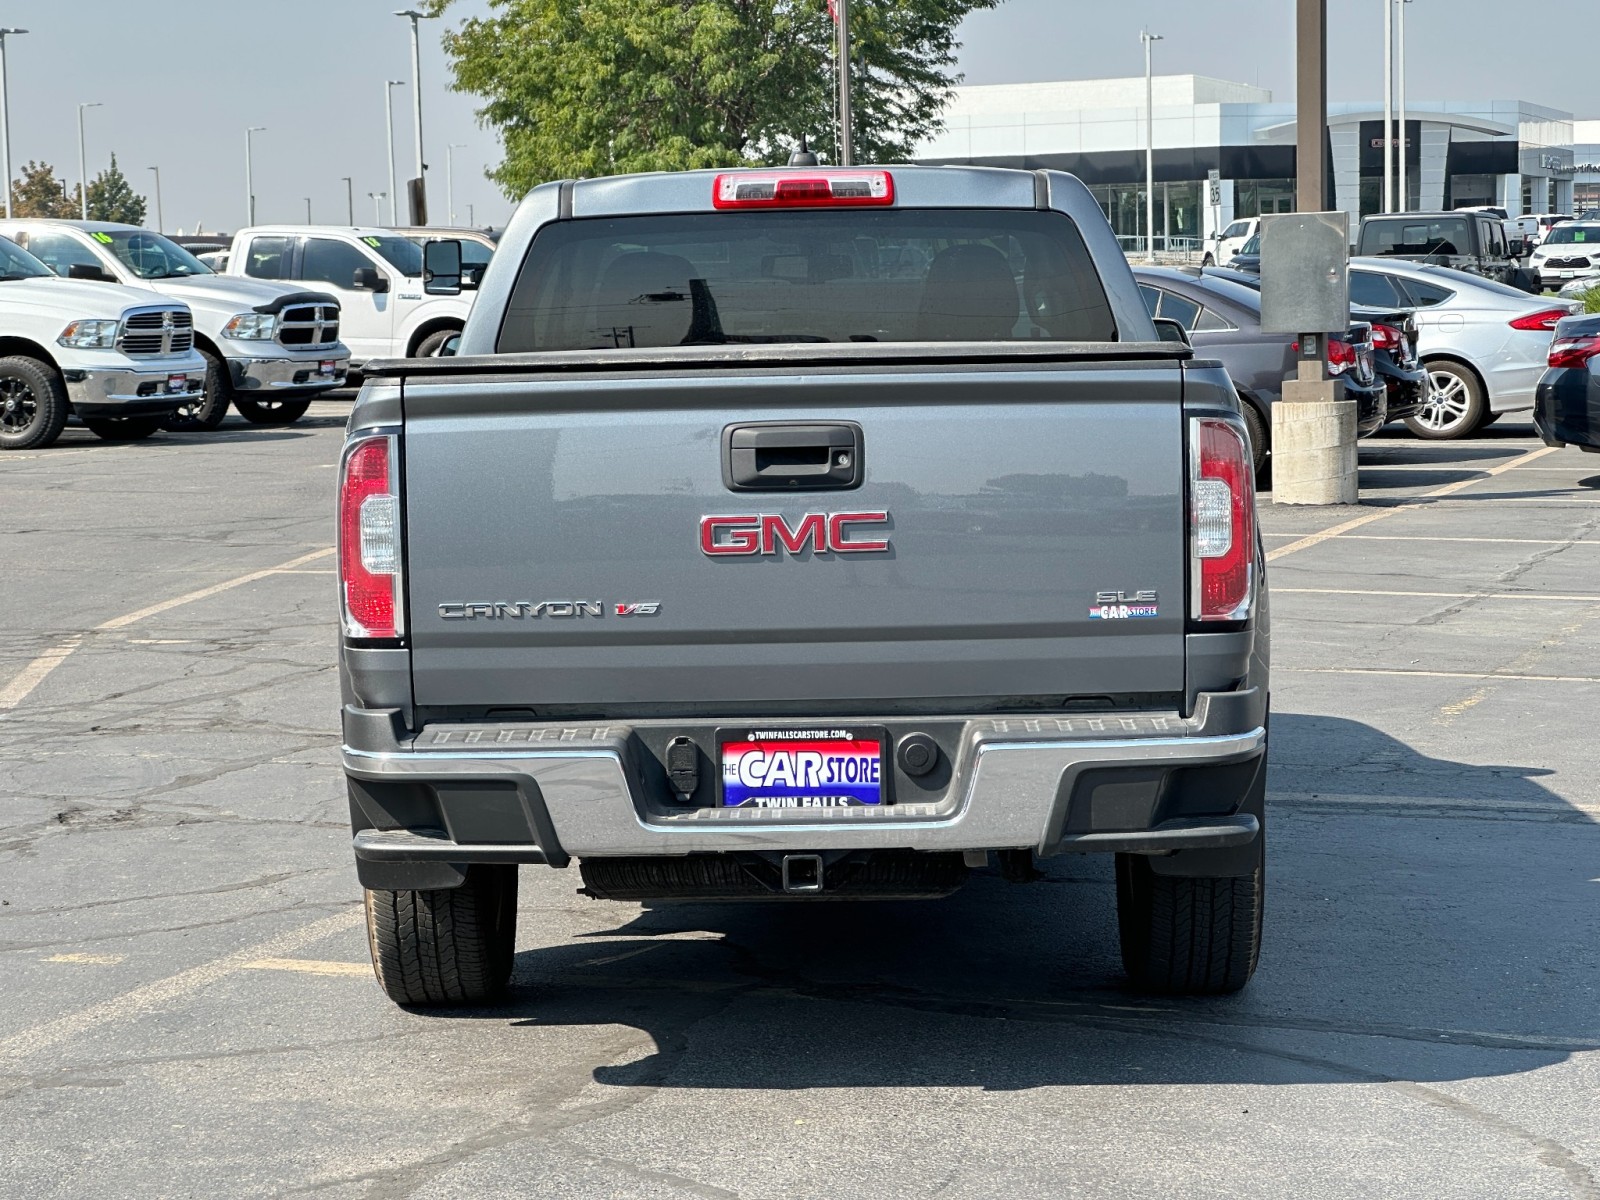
(769, 533)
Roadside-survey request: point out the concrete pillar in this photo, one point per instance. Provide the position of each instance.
(1314, 442)
(1346, 142)
(1431, 170)
(1508, 194)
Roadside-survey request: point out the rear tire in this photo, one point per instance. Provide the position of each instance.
(1454, 409)
(1260, 437)
(452, 946)
(33, 404)
(1189, 935)
(204, 412)
(123, 429)
(270, 412)
(430, 346)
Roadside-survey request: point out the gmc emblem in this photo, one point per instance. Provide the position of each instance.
(769, 533)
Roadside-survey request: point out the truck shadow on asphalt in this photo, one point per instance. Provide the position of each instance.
(1427, 920)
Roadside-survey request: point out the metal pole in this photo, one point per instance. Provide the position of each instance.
(470, 219)
(161, 224)
(249, 175)
(846, 131)
(1404, 198)
(388, 116)
(83, 170)
(1149, 39)
(349, 197)
(377, 206)
(5, 116)
(1388, 106)
(416, 88)
(309, 221)
(1311, 103)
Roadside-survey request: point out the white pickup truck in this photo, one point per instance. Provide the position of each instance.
(376, 275)
(121, 360)
(270, 348)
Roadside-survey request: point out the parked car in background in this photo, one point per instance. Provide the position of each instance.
(1248, 258)
(477, 246)
(270, 349)
(1471, 242)
(1567, 409)
(119, 359)
(1231, 240)
(1570, 251)
(1484, 343)
(1545, 223)
(1223, 318)
(1394, 349)
(376, 274)
(1493, 210)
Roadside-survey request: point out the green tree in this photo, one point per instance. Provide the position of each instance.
(112, 198)
(40, 194)
(598, 87)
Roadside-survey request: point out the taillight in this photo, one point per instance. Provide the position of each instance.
(841, 187)
(1341, 357)
(1222, 522)
(1575, 351)
(1386, 337)
(369, 539)
(1541, 322)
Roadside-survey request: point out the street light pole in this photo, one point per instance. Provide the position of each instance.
(847, 149)
(450, 178)
(161, 224)
(83, 170)
(5, 116)
(1149, 145)
(377, 206)
(388, 124)
(349, 196)
(414, 16)
(309, 221)
(1404, 198)
(1388, 106)
(249, 175)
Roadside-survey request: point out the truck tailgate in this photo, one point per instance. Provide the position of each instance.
(538, 509)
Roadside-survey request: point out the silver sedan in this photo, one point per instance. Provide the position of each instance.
(1484, 343)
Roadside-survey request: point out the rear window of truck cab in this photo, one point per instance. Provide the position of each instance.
(892, 275)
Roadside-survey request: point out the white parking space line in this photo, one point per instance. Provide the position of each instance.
(32, 675)
(15, 692)
(1449, 489)
(1400, 671)
(1568, 597)
(141, 1001)
(309, 966)
(202, 593)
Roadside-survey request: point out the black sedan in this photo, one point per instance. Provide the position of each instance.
(1223, 318)
(1566, 410)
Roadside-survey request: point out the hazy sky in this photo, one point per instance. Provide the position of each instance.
(182, 79)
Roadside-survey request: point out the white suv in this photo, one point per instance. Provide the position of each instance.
(1231, 240)
(121, 360)
(1569, 251)
(376, 274)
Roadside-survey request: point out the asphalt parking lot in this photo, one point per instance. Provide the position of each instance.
(188, 1011)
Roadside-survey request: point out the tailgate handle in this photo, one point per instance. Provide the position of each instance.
(774, 457)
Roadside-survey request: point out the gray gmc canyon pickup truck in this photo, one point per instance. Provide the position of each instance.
(802, 534)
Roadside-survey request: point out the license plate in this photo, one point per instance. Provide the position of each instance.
(328, 368)
(802, 768)
(177, 384)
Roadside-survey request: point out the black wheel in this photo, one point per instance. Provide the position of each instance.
(270, 412)
(1194, 936)
(1260, 435)
(1454, 408)
(203, 413)
(452, 946)
(430, 346)
(123, 429)
(33, 404)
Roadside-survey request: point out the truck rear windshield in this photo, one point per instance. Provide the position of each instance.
(896, 275)
(1435, 235)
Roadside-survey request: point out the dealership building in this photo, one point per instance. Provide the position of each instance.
(1523, 156)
